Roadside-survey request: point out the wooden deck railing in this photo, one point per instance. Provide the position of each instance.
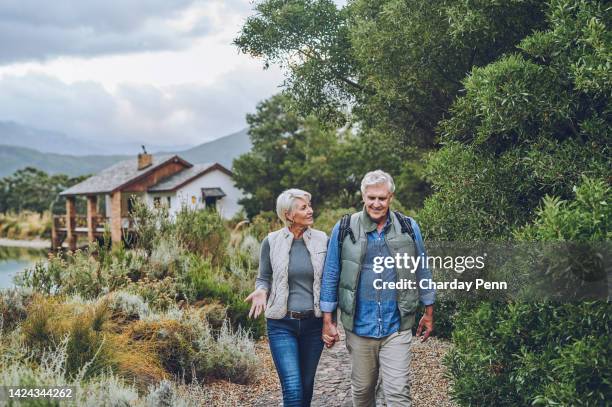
(99, 222)
(80, 221)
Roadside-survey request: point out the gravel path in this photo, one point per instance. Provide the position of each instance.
(333, 387)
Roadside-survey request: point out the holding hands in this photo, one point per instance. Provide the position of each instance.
(330, 333)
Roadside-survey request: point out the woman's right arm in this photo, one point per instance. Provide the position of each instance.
(259, 297)
(264, 277)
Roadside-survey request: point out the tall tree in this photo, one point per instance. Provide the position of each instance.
(531, 123)
(290, 151)
(397, 64)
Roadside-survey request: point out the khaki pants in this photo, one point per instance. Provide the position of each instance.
(392, 356)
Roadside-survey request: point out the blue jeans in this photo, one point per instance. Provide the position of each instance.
(296, 347)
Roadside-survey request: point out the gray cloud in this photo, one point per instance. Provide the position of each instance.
(171, 115)
(40, 30)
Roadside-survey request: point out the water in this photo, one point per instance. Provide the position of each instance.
(16, 259)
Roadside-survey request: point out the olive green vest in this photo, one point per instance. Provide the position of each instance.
(352, 256)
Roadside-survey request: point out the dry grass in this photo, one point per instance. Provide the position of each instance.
(25, 225)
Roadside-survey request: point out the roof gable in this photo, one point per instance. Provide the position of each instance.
(120, 175)
(184, 177)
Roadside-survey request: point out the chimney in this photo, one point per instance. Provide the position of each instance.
(144, 159)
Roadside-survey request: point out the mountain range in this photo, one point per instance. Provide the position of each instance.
(46, 156)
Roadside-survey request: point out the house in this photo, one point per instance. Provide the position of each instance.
(157, 180)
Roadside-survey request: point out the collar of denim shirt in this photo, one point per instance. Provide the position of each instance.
(370, 226)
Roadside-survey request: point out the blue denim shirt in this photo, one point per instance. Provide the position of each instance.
(376, 313)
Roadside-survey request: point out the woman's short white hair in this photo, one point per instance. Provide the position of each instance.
(286, 200)
(377, 177)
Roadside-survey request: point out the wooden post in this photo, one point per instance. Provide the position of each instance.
(115, 221)
(92, 212)
(54, 237)
(70, 222)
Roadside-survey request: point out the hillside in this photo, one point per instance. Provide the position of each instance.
(12, 158)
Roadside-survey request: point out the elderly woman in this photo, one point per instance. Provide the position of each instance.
(287, 289)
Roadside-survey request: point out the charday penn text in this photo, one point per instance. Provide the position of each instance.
(405, 284)
(410, 262)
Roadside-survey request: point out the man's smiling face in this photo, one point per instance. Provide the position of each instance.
(377, 199)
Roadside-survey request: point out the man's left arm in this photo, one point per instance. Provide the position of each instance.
(427, 295)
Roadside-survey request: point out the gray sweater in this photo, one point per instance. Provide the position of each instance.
(300, 274)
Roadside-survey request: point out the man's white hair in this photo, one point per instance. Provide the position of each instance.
(377, 177)
(286, 201)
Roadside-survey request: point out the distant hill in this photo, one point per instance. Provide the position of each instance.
(18, 135)
(222, 150)
(47, 141)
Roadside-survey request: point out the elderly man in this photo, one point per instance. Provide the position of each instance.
(377, 320)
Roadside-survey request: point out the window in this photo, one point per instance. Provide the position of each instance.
(211, 202)
(157, 201)
(169, 201)
(211, 196)
(131, 203)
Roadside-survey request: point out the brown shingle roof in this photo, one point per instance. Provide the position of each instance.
(118, 175)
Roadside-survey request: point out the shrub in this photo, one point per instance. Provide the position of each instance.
(203, 232)
(189, 349)
(232, 357)
(541, 353)
(150, 225)
(37, 327)
(105, 390)
(502, 351)
(86, 351)
(129, 306)
(158, 294)
(205, 282)
(264, 223)
(13, 307)
(167, 259)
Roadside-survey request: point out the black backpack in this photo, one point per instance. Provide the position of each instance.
(345, 229)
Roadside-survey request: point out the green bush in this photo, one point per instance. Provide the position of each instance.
(264, 223)
(202, 232)
(541, 353)
(524, 353)
(206, 282)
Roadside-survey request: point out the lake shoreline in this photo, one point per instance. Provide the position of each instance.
(30, 244)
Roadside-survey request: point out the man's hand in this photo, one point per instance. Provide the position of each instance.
(426, 322)
(330, 333)
(258, 300)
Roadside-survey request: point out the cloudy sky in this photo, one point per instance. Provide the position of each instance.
(161, 72)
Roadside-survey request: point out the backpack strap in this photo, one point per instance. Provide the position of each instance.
(344, 230)
(405, 224)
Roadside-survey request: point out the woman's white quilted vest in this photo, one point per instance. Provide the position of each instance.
(280, 245)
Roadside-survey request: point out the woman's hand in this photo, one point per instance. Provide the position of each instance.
(330, 334)
(258, 299)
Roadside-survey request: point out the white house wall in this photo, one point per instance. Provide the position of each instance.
(174, 205)
(187, 194)
(227, 206)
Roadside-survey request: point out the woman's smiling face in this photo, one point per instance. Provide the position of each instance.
(301, 214)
